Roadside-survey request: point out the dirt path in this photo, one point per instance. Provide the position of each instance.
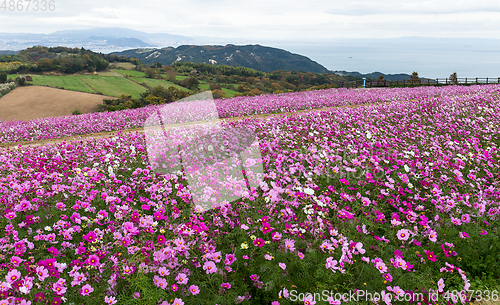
(141, 130)
(32, 102)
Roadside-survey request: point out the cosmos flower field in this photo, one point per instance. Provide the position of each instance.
(398, 196)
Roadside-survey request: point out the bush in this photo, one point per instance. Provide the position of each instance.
(76, 112)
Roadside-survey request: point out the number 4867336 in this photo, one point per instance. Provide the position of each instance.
(28, 5)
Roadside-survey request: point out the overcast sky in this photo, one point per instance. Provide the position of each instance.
(288, 20)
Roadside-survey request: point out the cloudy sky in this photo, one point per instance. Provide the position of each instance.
(268, 20)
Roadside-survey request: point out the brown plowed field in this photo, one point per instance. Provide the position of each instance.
(32, 102)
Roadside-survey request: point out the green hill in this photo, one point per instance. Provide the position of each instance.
(257, 57)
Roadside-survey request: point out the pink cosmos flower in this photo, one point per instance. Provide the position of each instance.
(432, 236)
(110, 300)
(194, 289)
(15, 260)
(209, 267)
(463, 235)
(78, 278)
(465, 218)
(441, 285)
(388, 277)
(403, 234)
(290, 244)
(276, 236)
(181, 278)
(230, 259)
(12, 276)
(59, 288)
(226, 285)
(309, 300)
(333, 301)
(86, 290)
(178, 302)
(93, 260)
(381, 267)
(163, 271)
(42, 273)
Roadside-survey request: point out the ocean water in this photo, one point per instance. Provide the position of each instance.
(430, 57)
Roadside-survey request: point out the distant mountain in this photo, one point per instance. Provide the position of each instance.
(375, 75)
(257, 57)
(8, 52)
(97, 39)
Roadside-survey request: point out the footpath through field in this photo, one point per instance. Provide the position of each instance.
(142, 130)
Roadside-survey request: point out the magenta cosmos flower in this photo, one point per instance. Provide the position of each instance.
(90, 237)
(259, 242)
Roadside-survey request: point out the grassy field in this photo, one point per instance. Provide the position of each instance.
(130, 72)
(123, 65)
(158, 82)
(70, 82)
(113, 86)
(229, 92)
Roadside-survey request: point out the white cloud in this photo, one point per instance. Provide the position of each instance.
(278, 20)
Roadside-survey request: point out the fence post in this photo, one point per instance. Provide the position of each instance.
(476, 81)
(486, 81)
(466, 80)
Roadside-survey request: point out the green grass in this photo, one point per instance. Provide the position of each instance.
(124, 65)
(130, 72)
(229, 92)
(158, 82)
(204, 86)
(113, 85)
(70, 82)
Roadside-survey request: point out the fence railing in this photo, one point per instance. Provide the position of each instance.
(422, 82)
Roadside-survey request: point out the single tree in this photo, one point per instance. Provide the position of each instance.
(414, 76)
(454, 78)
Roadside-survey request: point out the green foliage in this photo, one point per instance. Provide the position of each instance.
(151, 73)
(3, 77)
(76, 112)
(190, 83)
(154, 96)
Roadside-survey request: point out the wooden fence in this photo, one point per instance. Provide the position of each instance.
(421, 82)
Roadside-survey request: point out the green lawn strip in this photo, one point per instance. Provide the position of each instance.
(229, 92)
(124, 65)
(113, 85)
(68, 82)
(130, 73)
(158, 82)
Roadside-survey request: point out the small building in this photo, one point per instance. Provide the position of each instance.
(194, 72)
(28, 78)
